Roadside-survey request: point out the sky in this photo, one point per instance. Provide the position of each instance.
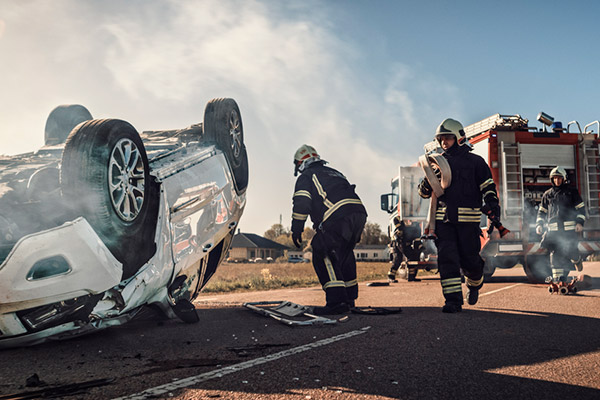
(364, 82)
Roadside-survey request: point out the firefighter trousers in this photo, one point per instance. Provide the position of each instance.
(562, 246)
(397, 257)
(458, 248)
(333, 257)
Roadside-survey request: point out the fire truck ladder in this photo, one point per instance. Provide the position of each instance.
(591, 161)
(512, 186)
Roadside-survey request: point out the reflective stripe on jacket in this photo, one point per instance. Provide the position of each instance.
(471, 182)
(325, 194)
(561, 209)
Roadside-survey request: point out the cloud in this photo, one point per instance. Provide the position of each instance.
(417, 102)
(157, 63)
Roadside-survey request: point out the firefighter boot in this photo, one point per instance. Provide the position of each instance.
(331, 309)
(472, 295)
(451, 308)
(392, 277)
(412, 275)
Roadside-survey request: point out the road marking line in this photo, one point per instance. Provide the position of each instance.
(193, 380)
(497, 290)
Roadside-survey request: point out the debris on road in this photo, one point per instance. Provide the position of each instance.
(289, 313)
(376, 310)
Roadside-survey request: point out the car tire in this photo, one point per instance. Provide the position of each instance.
(105, 178)
(223, 126)
(62, 120)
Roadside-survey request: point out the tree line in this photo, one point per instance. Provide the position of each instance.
(372, 234)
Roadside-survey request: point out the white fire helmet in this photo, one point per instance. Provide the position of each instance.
(306, 154)
(558, 171)
(451, 127)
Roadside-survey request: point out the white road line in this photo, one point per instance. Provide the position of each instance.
(498, 290)
(193, 380)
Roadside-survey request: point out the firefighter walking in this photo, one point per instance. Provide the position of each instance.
(458, 216)
(402, 235)
(338, 217)
(562, 214)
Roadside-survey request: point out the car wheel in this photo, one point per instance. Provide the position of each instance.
(105, 178)
(62, 120)
(223, 125)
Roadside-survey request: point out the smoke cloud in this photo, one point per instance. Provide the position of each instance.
(157, 63)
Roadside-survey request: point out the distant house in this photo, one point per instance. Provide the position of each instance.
(249, 246)
(371, 252)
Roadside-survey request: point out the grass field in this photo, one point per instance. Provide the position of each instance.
(231, 277)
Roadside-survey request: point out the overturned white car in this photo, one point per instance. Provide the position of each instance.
(102, 221)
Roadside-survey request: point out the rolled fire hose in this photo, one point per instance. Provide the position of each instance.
(438, 186)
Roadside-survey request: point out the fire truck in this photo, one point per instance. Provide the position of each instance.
(520, 158)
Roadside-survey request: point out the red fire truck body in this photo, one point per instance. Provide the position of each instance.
(520, 158)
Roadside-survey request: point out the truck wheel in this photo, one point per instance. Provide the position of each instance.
(62, 120)
(223, 126)
(105, 178)
(537, 268)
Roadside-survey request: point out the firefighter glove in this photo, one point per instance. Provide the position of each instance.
(495, 211)
(425, 188)
(297, 239)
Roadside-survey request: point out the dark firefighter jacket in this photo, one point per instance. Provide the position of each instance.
(324, 194)
(471, 181)
(561, 208)
(402, 238)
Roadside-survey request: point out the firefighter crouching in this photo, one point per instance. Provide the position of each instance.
(338, 217)
(562, 213)
(403, 235)
(458, 216)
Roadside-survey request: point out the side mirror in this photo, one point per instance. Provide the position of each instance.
(387, 202)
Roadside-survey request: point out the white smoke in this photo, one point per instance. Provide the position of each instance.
(157, 63)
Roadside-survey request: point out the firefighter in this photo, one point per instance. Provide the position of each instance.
(458, 216)
(403, 234)
(338, 217)
(562, 214)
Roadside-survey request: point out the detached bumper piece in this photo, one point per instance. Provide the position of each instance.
(290, 314)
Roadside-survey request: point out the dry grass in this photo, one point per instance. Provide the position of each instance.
(245, 277)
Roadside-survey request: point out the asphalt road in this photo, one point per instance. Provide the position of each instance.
(519, 341)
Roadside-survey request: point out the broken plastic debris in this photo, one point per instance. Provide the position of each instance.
(394, 382)
(296, 379)
(244, 381)
(358, 370)
(262, 372)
